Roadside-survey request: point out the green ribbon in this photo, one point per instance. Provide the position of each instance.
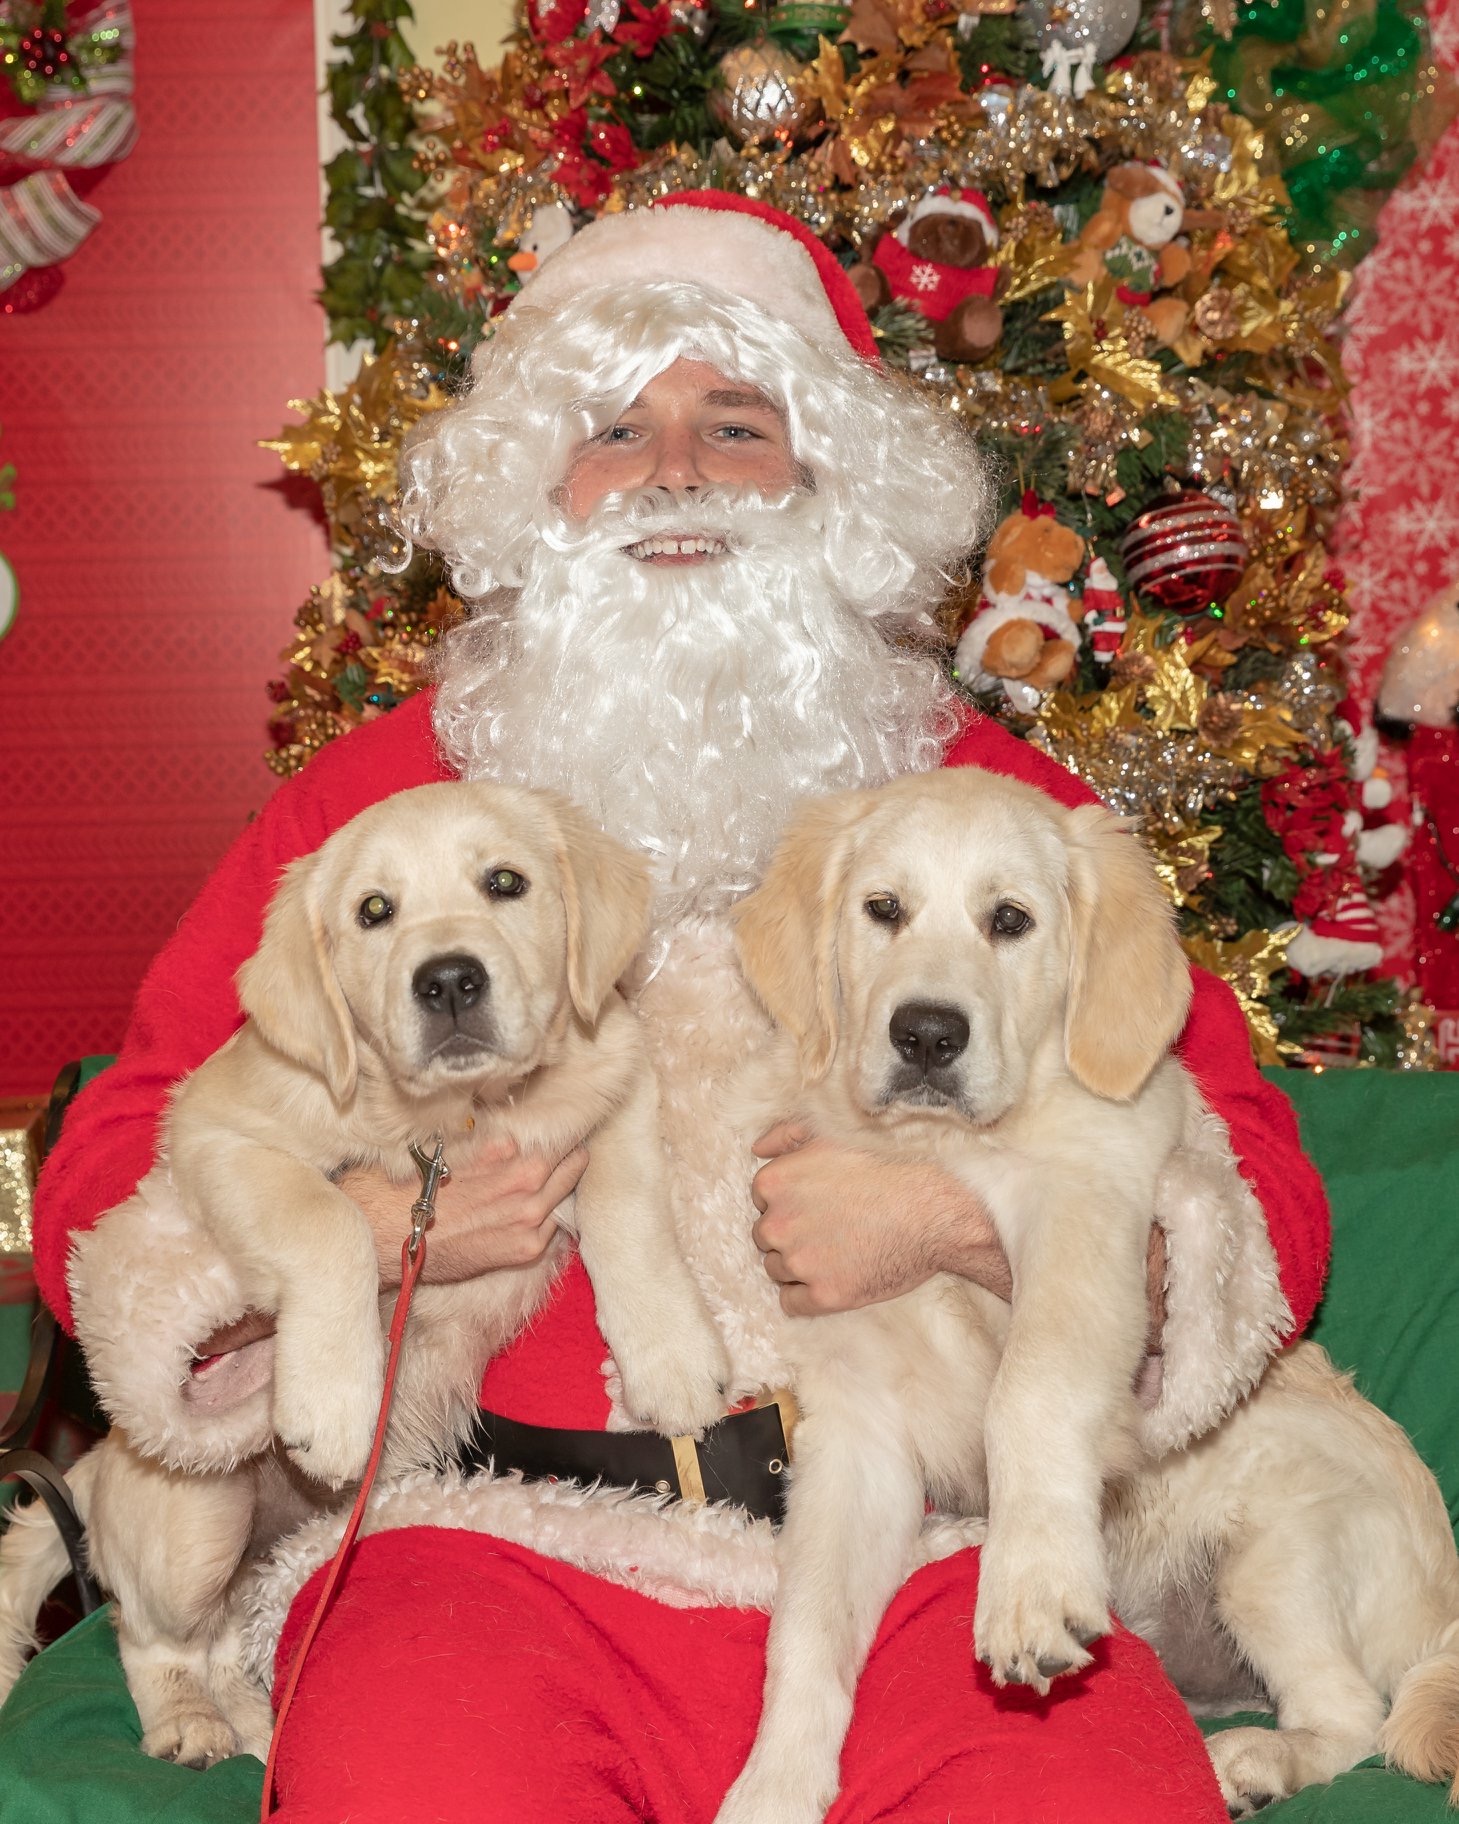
(1367, 90)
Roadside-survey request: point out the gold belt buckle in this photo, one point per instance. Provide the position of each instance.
(686, 1449)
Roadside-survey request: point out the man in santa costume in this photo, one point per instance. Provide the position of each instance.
(703, 534)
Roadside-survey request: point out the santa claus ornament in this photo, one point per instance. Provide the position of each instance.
(1104, 612)
(1309, 807)
(1418, 702)
(1377, 833)
(1185, 553)
(935, 260)
(1023, 637)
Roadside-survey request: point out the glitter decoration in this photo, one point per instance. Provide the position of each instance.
(1186, 553)
(21, 1125)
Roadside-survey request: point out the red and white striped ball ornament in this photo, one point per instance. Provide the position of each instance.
(1185, 553)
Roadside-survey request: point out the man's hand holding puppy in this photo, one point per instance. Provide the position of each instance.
(840, 1228)
(496, 1210)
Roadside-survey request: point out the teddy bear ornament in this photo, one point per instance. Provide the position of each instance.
(1132, 239)
(935, 259)
(1023, 637)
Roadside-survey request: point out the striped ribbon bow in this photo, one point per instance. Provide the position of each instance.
(42, 220)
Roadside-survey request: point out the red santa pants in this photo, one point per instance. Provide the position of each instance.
(459, 1678)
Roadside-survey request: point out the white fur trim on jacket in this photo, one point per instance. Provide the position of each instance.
(146, 1285)
(1225, 1311)
(684, 1555)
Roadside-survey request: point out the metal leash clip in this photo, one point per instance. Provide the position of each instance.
(434, 1172)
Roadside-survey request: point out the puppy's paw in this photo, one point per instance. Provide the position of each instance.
(192, 1736)
(1039, 1608)
(324, 1410)
(674, 1382)
(1252, 1766)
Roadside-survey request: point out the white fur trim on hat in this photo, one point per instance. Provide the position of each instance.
(719, 249)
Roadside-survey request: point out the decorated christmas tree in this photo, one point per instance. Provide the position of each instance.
(1115, 240)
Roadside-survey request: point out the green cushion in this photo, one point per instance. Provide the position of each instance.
(1386, 1144)
(69, 1749)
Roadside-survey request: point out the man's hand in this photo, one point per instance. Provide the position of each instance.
(498, 1210)
(840, 1229)
(495, 1210)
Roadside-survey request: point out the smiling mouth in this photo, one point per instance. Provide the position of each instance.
(675, 550)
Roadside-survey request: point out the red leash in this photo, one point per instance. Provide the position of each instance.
(412, 1260)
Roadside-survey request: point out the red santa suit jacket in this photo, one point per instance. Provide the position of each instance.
(187, 1007)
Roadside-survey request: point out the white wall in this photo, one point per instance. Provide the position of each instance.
(484, 23)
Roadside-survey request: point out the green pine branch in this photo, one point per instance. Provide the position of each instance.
(380, 272)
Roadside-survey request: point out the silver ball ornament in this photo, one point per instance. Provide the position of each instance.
(758, 97)
(1106, 25)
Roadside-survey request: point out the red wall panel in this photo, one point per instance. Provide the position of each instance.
(159, 559)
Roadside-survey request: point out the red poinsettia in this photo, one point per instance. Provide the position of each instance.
(613, 144)
(551, 21)
(583, 178)
(580, 71)
(642, 31)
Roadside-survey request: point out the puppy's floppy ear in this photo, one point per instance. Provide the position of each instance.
(786, 929)
(606, 894)
(1129, 982)
(289, 989)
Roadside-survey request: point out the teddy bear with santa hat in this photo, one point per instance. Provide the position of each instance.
(935, 259)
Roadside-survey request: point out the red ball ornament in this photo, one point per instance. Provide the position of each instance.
(1186, 553)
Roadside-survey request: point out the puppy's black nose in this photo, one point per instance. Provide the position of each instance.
(929, 1034)
(448, 985)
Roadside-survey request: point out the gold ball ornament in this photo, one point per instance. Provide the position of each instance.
(758, 96)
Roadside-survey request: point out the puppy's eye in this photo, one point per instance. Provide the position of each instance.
(374, 910)
(506, 883)
(1011, 921)
(885, 908)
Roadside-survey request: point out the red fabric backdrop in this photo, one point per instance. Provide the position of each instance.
(159, 559)
(1400, 529)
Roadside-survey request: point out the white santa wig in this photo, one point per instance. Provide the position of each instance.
(898, 486)
(688, 710)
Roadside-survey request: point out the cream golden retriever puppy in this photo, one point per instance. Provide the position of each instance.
(962, 970)
(444, 965)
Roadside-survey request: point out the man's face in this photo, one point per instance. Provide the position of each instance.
(691, 427)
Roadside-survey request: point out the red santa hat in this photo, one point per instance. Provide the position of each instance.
(969, 203)
(729, 243)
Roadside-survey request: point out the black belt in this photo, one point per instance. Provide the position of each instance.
(742, 1459)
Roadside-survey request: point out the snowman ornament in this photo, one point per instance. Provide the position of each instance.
(551, 227)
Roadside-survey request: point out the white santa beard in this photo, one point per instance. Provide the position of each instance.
(687, 709)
